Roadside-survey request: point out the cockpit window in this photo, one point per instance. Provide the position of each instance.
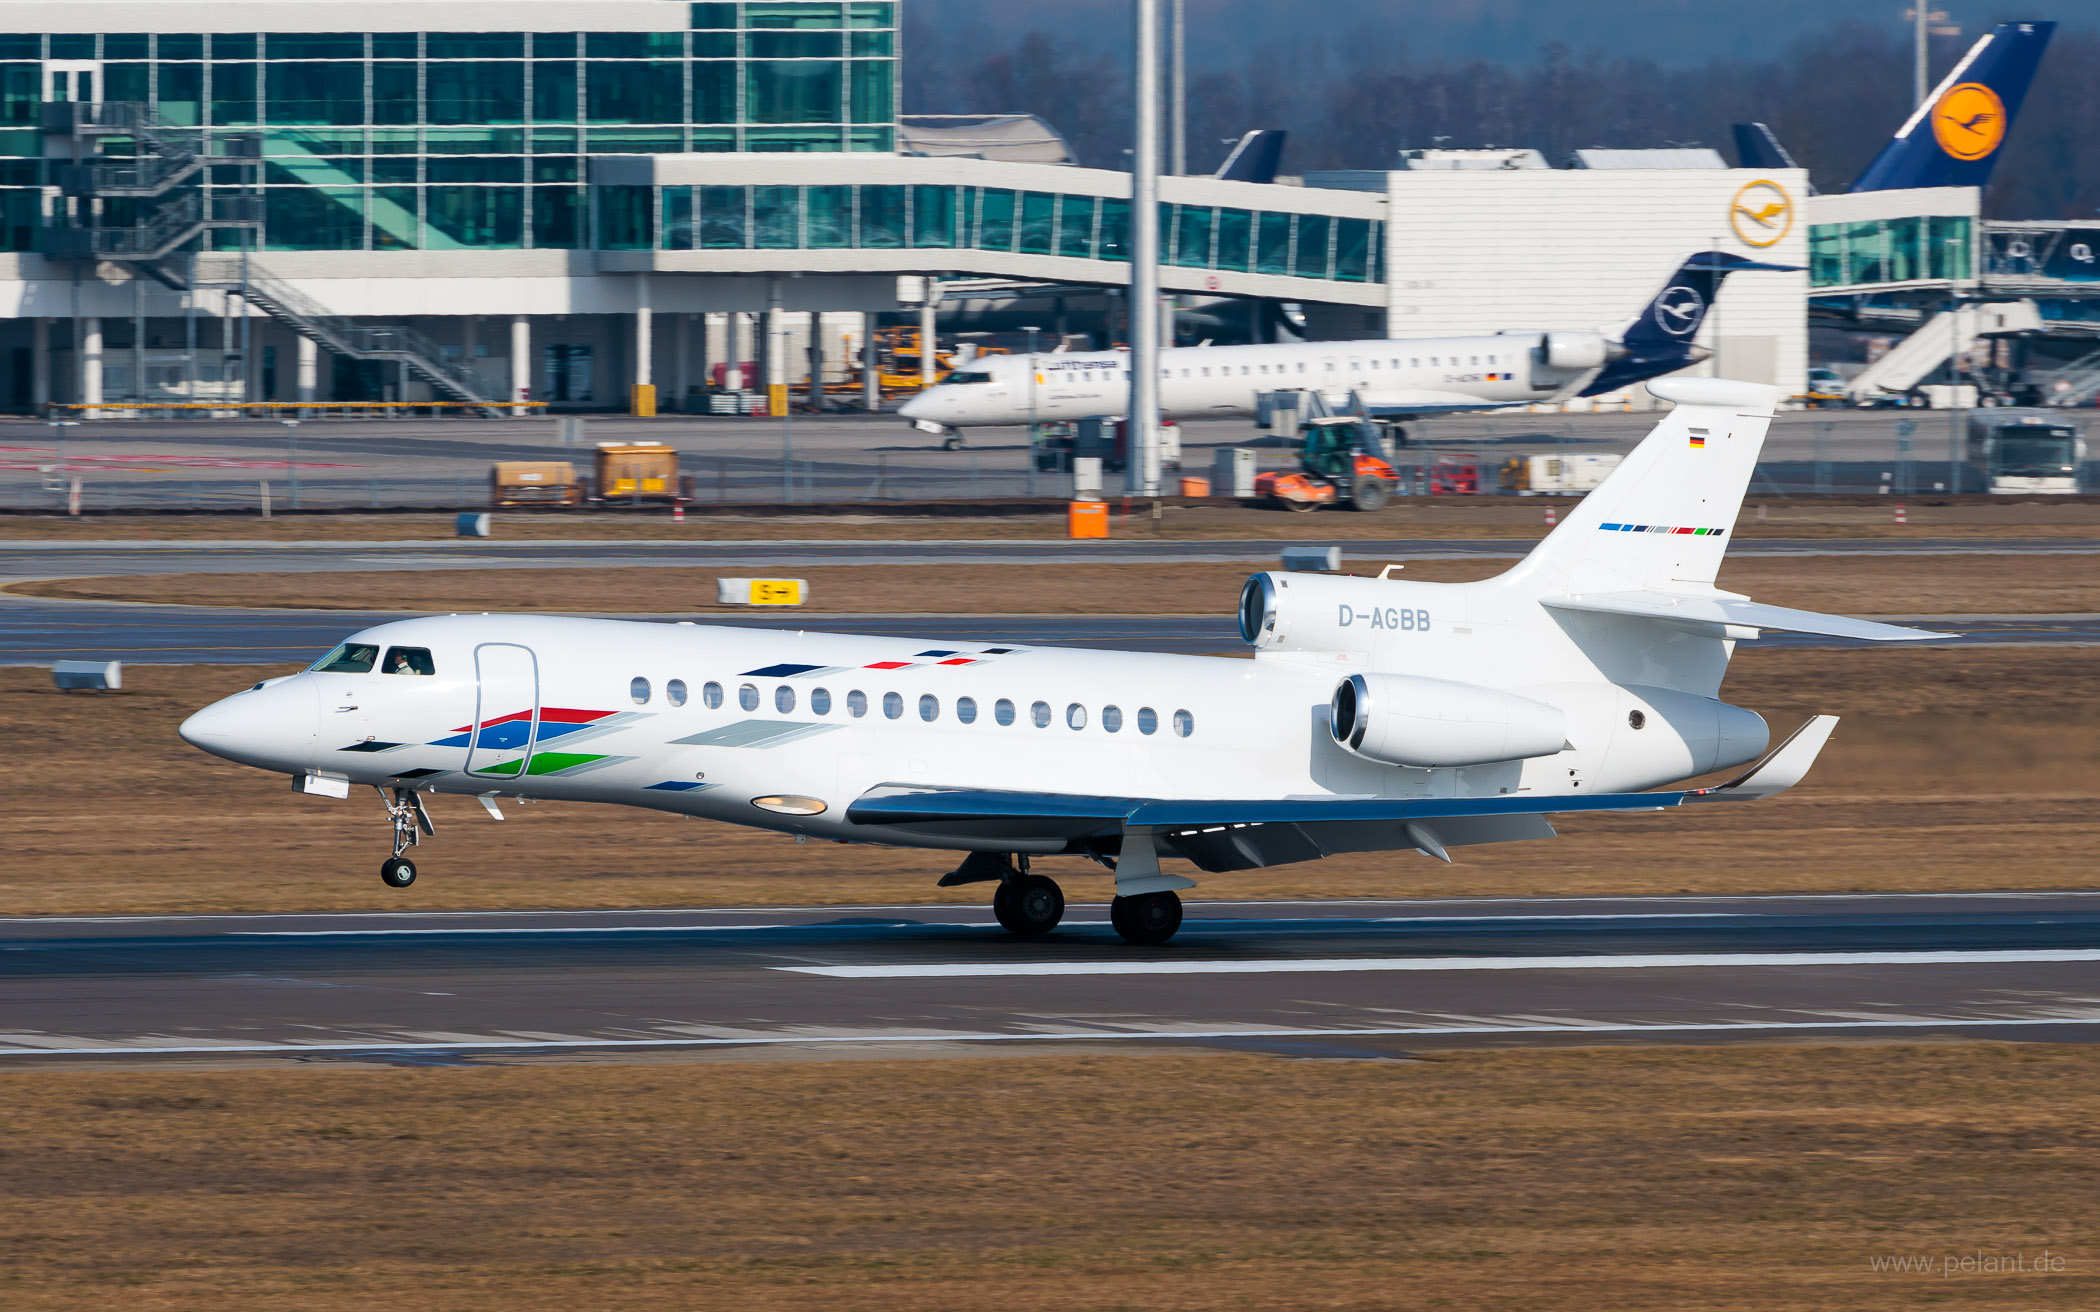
(965, 377)
(408, 660)
(350, 658)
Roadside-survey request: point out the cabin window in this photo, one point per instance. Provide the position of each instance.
(784, 699)
(820, 701)
(856, 703)
(929, 707)
(408, 660)
(1184, 724)
(1040, 713)
(893, 705)
(675, 691)
(1148, 720)
(966, 710)
(350, 658)
(638, 689)
(1112, 719)
(1003, 711)
(711, 695)
(747, 696)
(1075, 716)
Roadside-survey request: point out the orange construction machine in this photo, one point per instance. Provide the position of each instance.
(1340, 462)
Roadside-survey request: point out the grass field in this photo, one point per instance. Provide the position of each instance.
(1952, 770)
(1427, 517)
(1857, 584)
(1620, 1180)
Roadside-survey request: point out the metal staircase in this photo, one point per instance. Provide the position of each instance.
(2076, 383)
(165, 163)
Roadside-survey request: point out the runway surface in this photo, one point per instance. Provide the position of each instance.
(1316, 979)
(24, 559)
(38, 632)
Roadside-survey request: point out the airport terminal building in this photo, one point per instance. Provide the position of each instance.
(492, 202)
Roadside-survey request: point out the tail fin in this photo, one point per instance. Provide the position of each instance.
(1658, 340)
(1757, 147)
(1256, 158)
(1661, 520)
(1952, 140)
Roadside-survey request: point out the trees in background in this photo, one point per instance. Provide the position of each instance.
(1833, 98)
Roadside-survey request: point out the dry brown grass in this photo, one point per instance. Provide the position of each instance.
(1431, 517)
(1885, 585)
(1953, 770)
(1619, 1180)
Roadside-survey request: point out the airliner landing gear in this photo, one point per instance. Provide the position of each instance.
(1148, 919)
(953, 442)
(411, 822)
(1028, 905)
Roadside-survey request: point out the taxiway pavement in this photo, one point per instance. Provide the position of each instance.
(1322, 978)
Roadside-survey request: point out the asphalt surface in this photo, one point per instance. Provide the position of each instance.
(1316, 979)
(39, 632)
(35, 559)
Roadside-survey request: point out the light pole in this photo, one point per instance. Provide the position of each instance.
(291, 459)
(1144, 258)
(1954, 442)
(58, 439)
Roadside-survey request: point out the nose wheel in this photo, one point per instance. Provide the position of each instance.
(404, 809)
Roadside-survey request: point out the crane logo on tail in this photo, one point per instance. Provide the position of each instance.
(1679, 310)
(1762, 214)
(1969, 121)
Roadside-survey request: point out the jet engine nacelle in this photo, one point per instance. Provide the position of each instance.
(1576, 350)
(1403, 719)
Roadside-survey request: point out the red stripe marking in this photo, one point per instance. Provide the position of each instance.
(565, 715)
(960, 660)
(888, 665)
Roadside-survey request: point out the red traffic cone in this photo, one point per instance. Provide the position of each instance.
(678, 513)
(1549, 517)
(1901, 518)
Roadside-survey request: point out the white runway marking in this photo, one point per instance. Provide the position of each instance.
(1571, 1027)
(1344, 965)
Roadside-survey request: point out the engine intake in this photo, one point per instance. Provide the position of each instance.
(1576, 350)
(1403, 719)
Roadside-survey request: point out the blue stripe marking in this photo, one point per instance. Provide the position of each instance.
(783, 671)
(674, 786)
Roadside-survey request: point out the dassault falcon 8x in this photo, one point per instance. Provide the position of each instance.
(1378, 715)
(1393, 378)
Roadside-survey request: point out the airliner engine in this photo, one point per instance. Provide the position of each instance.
(1403, 719)
(1578, 350)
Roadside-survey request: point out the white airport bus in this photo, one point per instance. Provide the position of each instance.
(2025, 453)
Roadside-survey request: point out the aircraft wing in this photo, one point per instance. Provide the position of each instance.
(1420, 402)
(1237, 834)
(1715, 615)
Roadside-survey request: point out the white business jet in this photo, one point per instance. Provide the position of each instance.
(1378, 715)
(1394, 378)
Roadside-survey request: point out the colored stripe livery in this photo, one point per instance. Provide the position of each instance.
(1660, 528)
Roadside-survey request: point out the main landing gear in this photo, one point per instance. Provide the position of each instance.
(1148, 919)
(405, 809)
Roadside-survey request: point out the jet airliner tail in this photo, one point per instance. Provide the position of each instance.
(1658, 340)
(1953, 139)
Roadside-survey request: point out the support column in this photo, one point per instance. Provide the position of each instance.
(776, 352)
(816, 361)
(309, 370)
(138, 341)
(681, 360)
(469, 343)
(90, 366)
(870, 371)
(644, 400)
(520, 363)
(40, 364)
(929, 335)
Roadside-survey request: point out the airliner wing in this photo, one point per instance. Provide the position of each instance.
(1422, 402)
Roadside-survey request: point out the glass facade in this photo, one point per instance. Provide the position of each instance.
(1927, 248)
(686, 218)
(446, 141)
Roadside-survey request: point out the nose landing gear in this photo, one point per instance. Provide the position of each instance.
(405, 809)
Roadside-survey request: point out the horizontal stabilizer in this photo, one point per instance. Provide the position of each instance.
(1716, 615)
(1781, 769)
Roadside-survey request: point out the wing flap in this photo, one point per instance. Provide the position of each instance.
(1717, 615)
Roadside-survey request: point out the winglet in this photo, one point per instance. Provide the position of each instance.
(1781, 769)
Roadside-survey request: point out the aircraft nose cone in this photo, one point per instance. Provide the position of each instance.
(271, 727)
(915, 408)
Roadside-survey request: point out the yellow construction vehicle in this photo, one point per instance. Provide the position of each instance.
(897, 361)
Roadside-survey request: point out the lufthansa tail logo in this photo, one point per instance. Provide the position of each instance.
(1969, 121)
(1679, 310)
(1761, 213)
